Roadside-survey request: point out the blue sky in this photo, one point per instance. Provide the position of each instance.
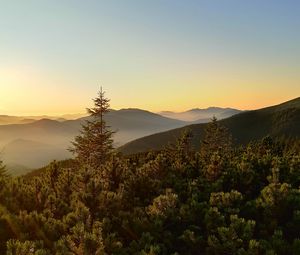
(155, 55)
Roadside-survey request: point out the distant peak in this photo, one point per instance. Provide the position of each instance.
(45, 120)
(205, 109)
(134, 110)
(131, 109)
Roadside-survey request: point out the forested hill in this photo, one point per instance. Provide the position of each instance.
(217, 200)
(33, 145)
(278, 120)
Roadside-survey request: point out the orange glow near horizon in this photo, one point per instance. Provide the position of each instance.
(152, 55)
(31, 90)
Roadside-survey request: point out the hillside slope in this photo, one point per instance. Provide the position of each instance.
(35, 144)
(278, 120)
(31, 154)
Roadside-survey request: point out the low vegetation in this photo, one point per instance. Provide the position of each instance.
(217, 199)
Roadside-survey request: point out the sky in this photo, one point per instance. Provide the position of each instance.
(155, 55)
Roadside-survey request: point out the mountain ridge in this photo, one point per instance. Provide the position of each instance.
(129, 123)
(198, 115)
(277, 120)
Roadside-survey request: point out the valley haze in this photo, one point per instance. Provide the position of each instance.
(30, 142)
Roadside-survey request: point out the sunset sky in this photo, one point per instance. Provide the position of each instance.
(155, 55)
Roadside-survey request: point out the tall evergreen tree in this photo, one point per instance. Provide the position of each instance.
(3, 172)
(216, 139)
(94, 145)
(3, 179)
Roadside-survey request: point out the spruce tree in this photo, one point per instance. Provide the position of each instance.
(215, 149)
(94, 145)
(3, 171)
(216, 139)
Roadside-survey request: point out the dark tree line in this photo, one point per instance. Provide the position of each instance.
(218, 200)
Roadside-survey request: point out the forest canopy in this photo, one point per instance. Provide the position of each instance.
(218, 199)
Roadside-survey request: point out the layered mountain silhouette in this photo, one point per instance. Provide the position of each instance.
(30, 143)
(7, 120)
(278, 120)
(201, 115)
(36, 143)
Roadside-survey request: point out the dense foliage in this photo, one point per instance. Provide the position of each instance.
(216, 200)
(178, 201)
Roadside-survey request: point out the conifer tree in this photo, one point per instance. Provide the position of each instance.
(3, 171)
(94, 145)
(3, 178)
(215, 148)
(216, 139)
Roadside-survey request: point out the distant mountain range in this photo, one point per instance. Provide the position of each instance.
(279, 120)
(201, 115)
(29, 142)
(7, 120)
(34, 144)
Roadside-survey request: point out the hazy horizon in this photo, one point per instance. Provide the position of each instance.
(80, 114)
